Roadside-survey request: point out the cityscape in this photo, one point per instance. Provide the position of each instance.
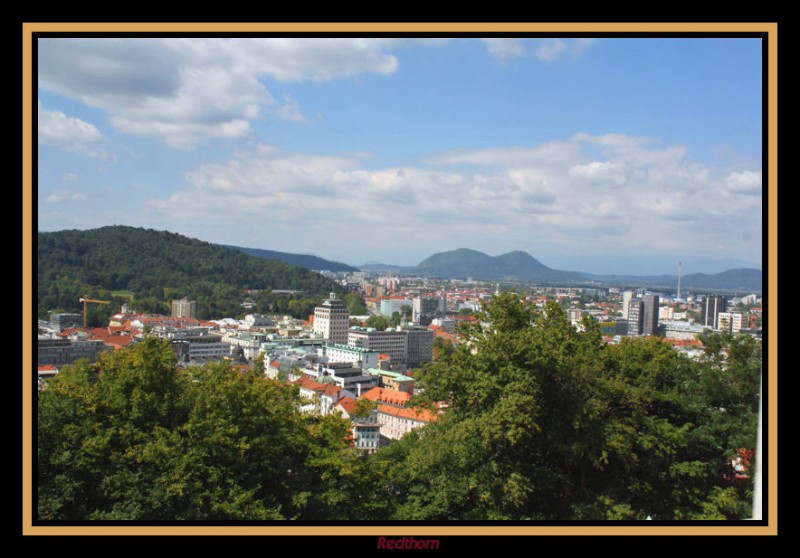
(551, 308)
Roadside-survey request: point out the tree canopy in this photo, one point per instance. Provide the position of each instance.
(542, 421)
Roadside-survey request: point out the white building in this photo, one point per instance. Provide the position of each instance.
(733, 322)
(332, 320)
(390, 342)
(357, 356)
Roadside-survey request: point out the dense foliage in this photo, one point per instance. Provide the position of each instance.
(136, 438)
(158, 266)
(543, 422)
(546, 422)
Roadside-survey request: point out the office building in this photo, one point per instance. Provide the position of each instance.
(332, 320)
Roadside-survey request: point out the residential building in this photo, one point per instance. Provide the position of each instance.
(367, 435)
(184, 308)
(396, 422)
(626, 299)
(733, 322)
(332, 320)
(393, 380)
(635, 316)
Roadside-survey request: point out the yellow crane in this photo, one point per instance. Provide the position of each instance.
(85, 302)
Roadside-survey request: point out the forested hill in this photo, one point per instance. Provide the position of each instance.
(303, 260)
(158, 266)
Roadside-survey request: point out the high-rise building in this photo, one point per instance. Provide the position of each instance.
(712, 307)
(626, 299)
(184, 308)
(332, 320)
(650, 317)
(635, 316)
(420, 346)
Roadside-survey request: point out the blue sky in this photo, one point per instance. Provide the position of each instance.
(606, 155)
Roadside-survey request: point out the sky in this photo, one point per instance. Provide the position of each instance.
(602, 155)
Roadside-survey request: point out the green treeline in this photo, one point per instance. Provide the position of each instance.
(158, 266)
(544, 422)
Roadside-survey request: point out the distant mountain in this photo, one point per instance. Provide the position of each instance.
(514, 266)
(746, 279)
(378, 266)
(303, 260)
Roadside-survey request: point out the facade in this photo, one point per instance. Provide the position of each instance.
(62, 321)
(425, 308)
(389, 342)
(59, 352)
(733, 322)
(200, 347)
(394, 380)
(391, 305)
(332, 320)
(420, 346)
(650, 317)
(367, 435)
(635, 316)
(184, 308)
(357, 356)
(712, 307)
(626, 300)
(396, 422)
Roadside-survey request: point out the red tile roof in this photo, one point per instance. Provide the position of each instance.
(412, 413)
(348, 404)
(386, 395)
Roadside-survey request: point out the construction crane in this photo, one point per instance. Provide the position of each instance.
(85, 302)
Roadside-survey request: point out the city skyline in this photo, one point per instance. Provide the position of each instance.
(601, 155)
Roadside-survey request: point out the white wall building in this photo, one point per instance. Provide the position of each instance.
(332, 320)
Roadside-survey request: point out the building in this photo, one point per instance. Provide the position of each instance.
(367, 435)
(184, 308)
(425, 308)
(650, 315)
(332, 320)
(626, 299)
(733, 322)
(390, 342)
(635, 316)
(357, 356)
(396, 422)
(712, 307)
(420, 346)
(58, 352)
(391, 305)
(393, 380)
(62, 321)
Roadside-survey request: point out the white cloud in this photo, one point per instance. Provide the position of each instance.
(188, 90)
(70, 177)
(69, 133)
(504, 48)
(56, 196)
(550, 50)
(745, 182)
(635, 195)
(290, 110)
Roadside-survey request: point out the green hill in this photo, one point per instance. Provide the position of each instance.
(158, 266)
(303, 260)
(518, 265)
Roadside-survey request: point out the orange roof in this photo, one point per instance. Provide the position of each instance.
(332, 390)
(348, 404)
(412, 413)
(387, 395)
(47, 367)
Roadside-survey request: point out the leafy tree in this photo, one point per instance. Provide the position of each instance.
(546, 422)
(134, 437)
(380, 323)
